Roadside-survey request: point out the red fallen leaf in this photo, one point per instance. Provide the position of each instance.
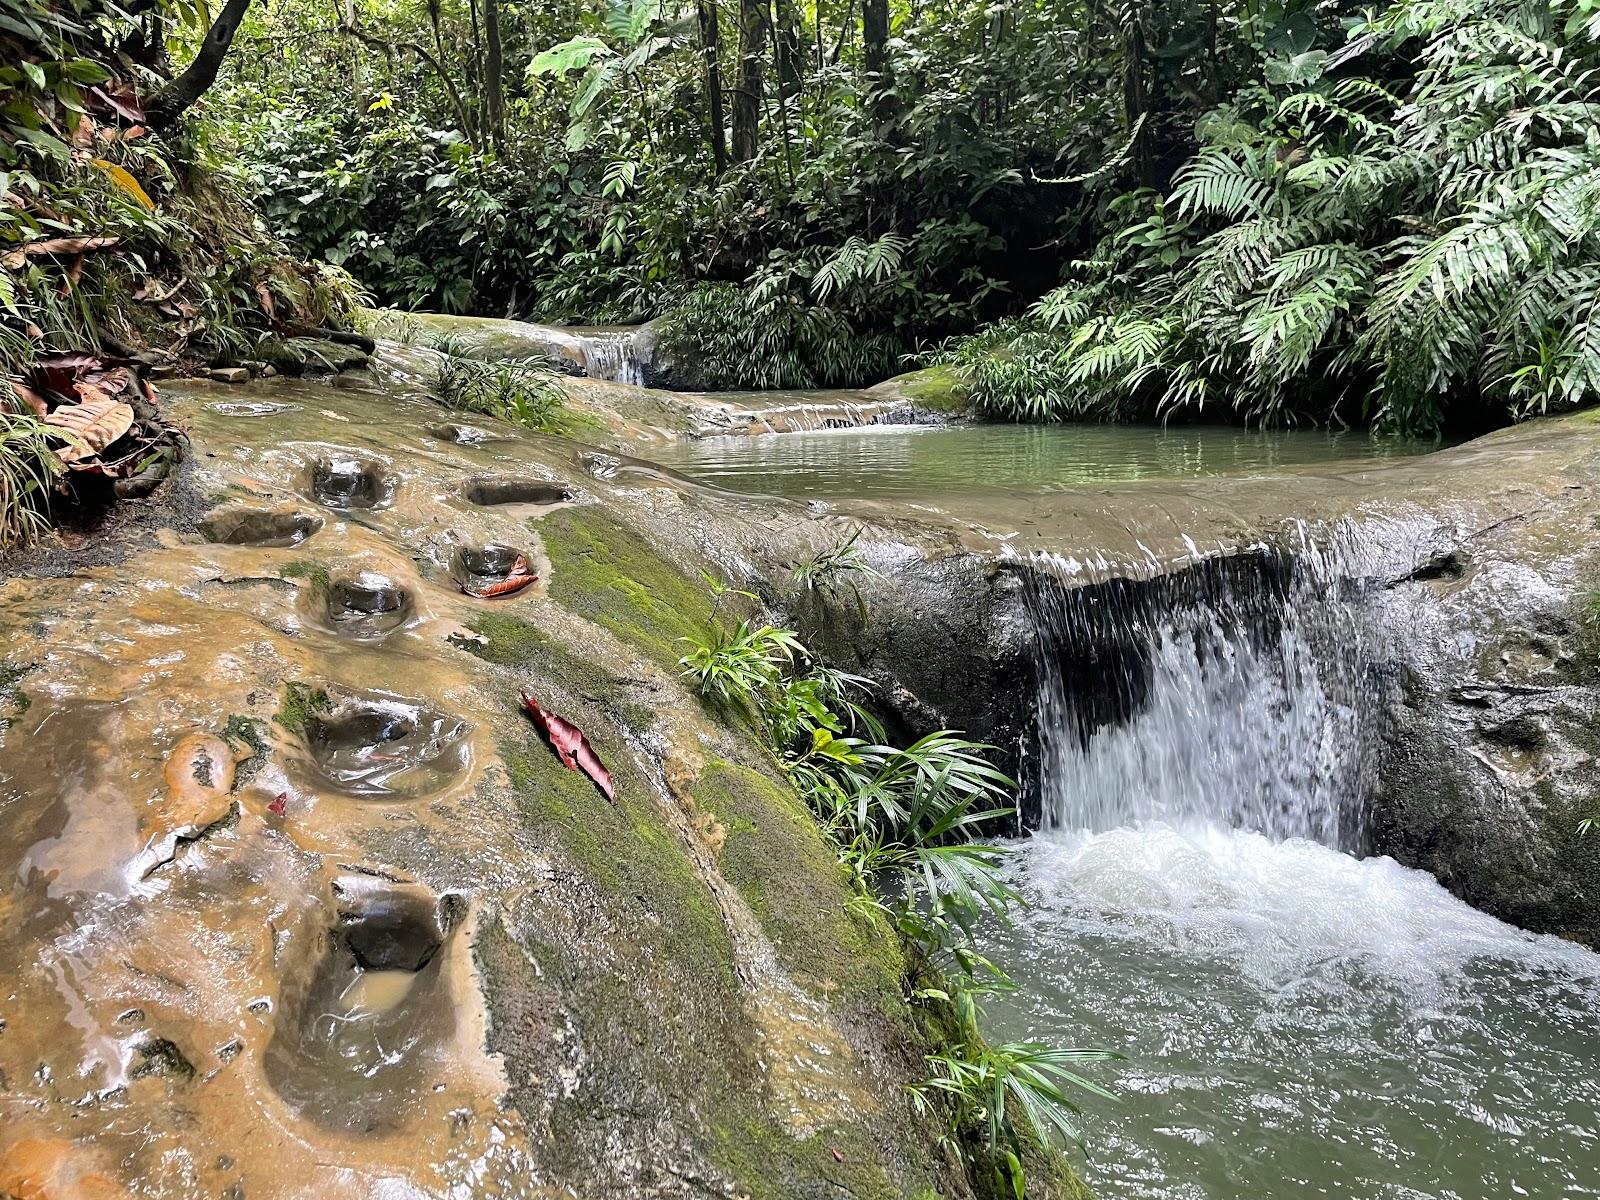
(837, 1157)
(277, 807)
(516, 579)
(571, 747)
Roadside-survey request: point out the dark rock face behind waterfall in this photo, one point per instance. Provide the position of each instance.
(1457, 643)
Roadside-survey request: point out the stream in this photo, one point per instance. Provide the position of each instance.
(1298, 1020)
(278, 955)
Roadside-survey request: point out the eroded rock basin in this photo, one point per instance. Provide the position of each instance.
(370, 1017)
(380, 746)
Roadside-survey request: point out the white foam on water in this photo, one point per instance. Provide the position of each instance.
(1301, 1023)
(1279, 910)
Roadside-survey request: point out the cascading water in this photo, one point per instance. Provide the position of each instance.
(612, 354)
(1299, 1021)
(1229, 691)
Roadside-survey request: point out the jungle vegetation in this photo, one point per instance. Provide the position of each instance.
(1268, 210)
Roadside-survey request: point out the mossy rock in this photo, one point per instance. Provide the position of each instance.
(774, 854)
(608, 574)
(939, 389)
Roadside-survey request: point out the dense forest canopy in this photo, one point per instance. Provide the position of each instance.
(1245, 210)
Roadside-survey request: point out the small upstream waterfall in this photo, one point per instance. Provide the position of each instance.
(1230, 691)
(612, 354)
(1299, 1021)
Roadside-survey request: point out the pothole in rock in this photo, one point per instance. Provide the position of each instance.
(367, 607)
(345, 481)
(461, 435)
(491, 571)
(379, 747)
(359, 1031)
(514, 489)
(241, 525)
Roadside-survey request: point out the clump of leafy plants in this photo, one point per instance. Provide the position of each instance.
(906, 824)
(29, 466)
(520, 391)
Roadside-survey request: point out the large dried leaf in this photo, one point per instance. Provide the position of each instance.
(571, 747)
(95, 424)
(55, 247)
(29, 398)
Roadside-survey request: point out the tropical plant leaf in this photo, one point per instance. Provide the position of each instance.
(125, 181)
(571, 55)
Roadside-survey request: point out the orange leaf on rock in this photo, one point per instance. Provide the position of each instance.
(571, 747)
(95, 424)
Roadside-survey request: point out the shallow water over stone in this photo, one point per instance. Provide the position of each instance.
(931, 462)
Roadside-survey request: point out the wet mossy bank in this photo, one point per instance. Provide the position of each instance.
(659, 994)
(733, 1023)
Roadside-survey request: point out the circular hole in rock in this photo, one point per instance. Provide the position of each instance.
(361, 1021)
(492, 570)
(513, 489)
(345, 481)
(461, 435)
(378, 746)
(367, 606)
(241, 525)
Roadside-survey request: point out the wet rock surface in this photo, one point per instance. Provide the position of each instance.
(416, 955)
(367, 606)
(343, 481)
(244, 525)
(511, 489)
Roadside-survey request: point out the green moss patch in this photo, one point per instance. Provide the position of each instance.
(941, 389)
(312, 572)
(300, 701)
(787, 873)
(608, 574)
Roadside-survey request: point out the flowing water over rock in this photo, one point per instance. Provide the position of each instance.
(611, 354)
(1299, 1021)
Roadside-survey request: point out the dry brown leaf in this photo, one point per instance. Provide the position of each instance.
(95, 424)
(51, 247)
(31, 399)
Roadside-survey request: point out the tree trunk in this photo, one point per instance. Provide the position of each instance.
(494, 99)
(358, 84)
(172, 101)
(1135, 102)
(875, 57)
(711, 56)
(747, 98)
(786, 47)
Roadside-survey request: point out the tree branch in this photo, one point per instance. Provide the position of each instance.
(172, 101)
(421, 52)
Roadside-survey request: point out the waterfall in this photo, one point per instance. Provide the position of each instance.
(1235, 691)
(612, 354)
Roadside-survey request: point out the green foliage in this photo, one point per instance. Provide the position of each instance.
(982, 1081)
(838, 569)
(177, 259)
(519, 391)
(1379, 246)
(741, 338)
(28, 470)
(905, 824)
